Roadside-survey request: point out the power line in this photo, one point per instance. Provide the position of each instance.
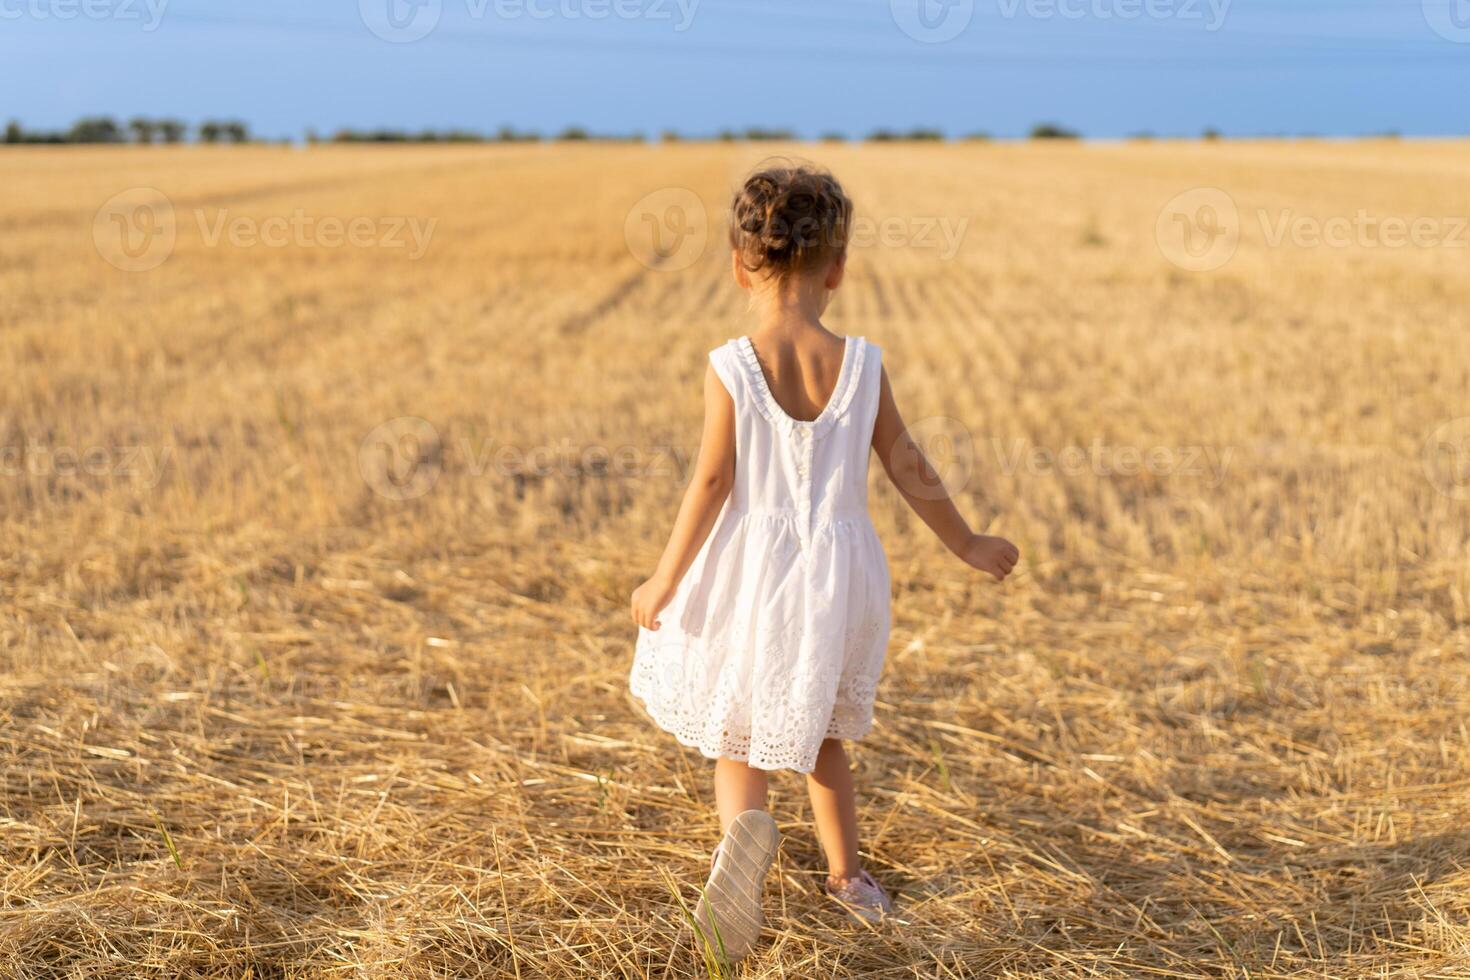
(1310, 56)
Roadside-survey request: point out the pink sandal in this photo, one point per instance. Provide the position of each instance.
(862, 896)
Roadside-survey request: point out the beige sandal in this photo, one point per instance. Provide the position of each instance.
(728, 917)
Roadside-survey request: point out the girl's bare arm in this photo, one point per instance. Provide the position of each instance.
(920, 485)
(714, 475)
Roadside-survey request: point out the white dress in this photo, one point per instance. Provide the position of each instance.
(775, 638)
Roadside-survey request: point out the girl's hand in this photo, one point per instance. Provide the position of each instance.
(990, 554)
(649, 600)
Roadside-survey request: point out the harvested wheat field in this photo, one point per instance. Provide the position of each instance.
(292, 685)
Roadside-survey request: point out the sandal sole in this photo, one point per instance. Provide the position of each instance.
(729, 913)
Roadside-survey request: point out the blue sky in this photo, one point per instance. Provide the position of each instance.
(1105, 67)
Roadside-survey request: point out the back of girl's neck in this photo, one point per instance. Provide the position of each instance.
(787, 325)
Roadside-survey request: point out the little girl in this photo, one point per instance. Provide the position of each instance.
(762, 633)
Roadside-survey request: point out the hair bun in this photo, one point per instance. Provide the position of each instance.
(789, 219)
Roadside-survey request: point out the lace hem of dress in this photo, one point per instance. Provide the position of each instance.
(704, 725)
(764, 755)
(849, 723)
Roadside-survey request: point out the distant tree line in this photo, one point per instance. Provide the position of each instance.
(752, 134)
(403, 136)
(143, 130)
(911, 136)
(506, 134)
(140, 129)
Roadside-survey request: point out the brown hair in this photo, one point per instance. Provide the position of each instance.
(789, 219)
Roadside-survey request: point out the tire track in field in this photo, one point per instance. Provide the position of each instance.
(580, 321)
(674, 300)
(255, 192)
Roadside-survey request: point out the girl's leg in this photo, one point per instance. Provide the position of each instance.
(729, 909)
(738, 788)
(835, 810)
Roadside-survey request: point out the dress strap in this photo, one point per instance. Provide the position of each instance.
(865, 406)
(847, 388)
(726, 363)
